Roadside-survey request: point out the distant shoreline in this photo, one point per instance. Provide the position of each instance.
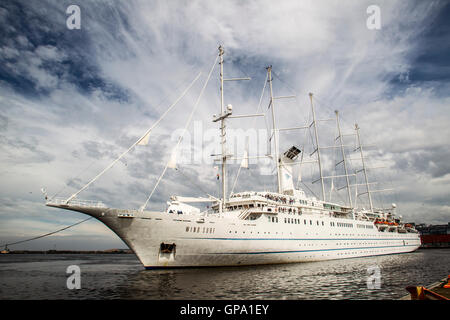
(109, 251)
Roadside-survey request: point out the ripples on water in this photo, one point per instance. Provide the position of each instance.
(122, 277)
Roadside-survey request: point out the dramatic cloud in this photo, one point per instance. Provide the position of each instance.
(72, 100)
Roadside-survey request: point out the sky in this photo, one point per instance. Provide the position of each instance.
(72, 100)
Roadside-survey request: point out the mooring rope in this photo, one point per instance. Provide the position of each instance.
(45, 235)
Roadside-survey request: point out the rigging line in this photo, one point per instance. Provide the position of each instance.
(323, 104)
(334, 173)
(253, 125)
(309, 189)
(305, 133)
(181, 136)
(293, 90)
(301, 168)
(139, 140)
(235, 180)
(167, 96)
(299, 174)
(330, 108)
(235, 62)
(395, 194)
(47, 234)
(242, 70)
(157, 107)
(78, 175)
(192, 181)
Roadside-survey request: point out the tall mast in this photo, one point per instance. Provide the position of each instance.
(275, 132)
(223, 133)
(317, 146)
(364, 167)
(343, 158)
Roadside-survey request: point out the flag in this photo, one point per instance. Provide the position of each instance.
(173, 160)
(244, 162)
(144, 140)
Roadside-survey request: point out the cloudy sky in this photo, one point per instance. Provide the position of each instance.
(72, 100)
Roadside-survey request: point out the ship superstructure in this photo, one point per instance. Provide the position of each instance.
(254, 227)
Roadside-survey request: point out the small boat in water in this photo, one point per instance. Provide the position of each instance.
(435, 291)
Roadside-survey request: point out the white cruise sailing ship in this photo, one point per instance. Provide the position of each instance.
(254, 227)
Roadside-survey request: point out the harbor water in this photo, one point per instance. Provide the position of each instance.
(121, 276)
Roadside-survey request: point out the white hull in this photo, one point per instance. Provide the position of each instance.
(228, 241)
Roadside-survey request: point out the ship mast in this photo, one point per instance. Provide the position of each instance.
(223, 133)
(364, 169)
(344, 162)
(317, 146)
(225, 113)
(275, 132)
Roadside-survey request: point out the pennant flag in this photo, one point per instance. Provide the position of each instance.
(244, 162)
(173, 160)
(144, 140)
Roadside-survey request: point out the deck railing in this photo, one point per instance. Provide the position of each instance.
(76, 202)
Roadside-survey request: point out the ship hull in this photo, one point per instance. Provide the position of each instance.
(163, 240)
